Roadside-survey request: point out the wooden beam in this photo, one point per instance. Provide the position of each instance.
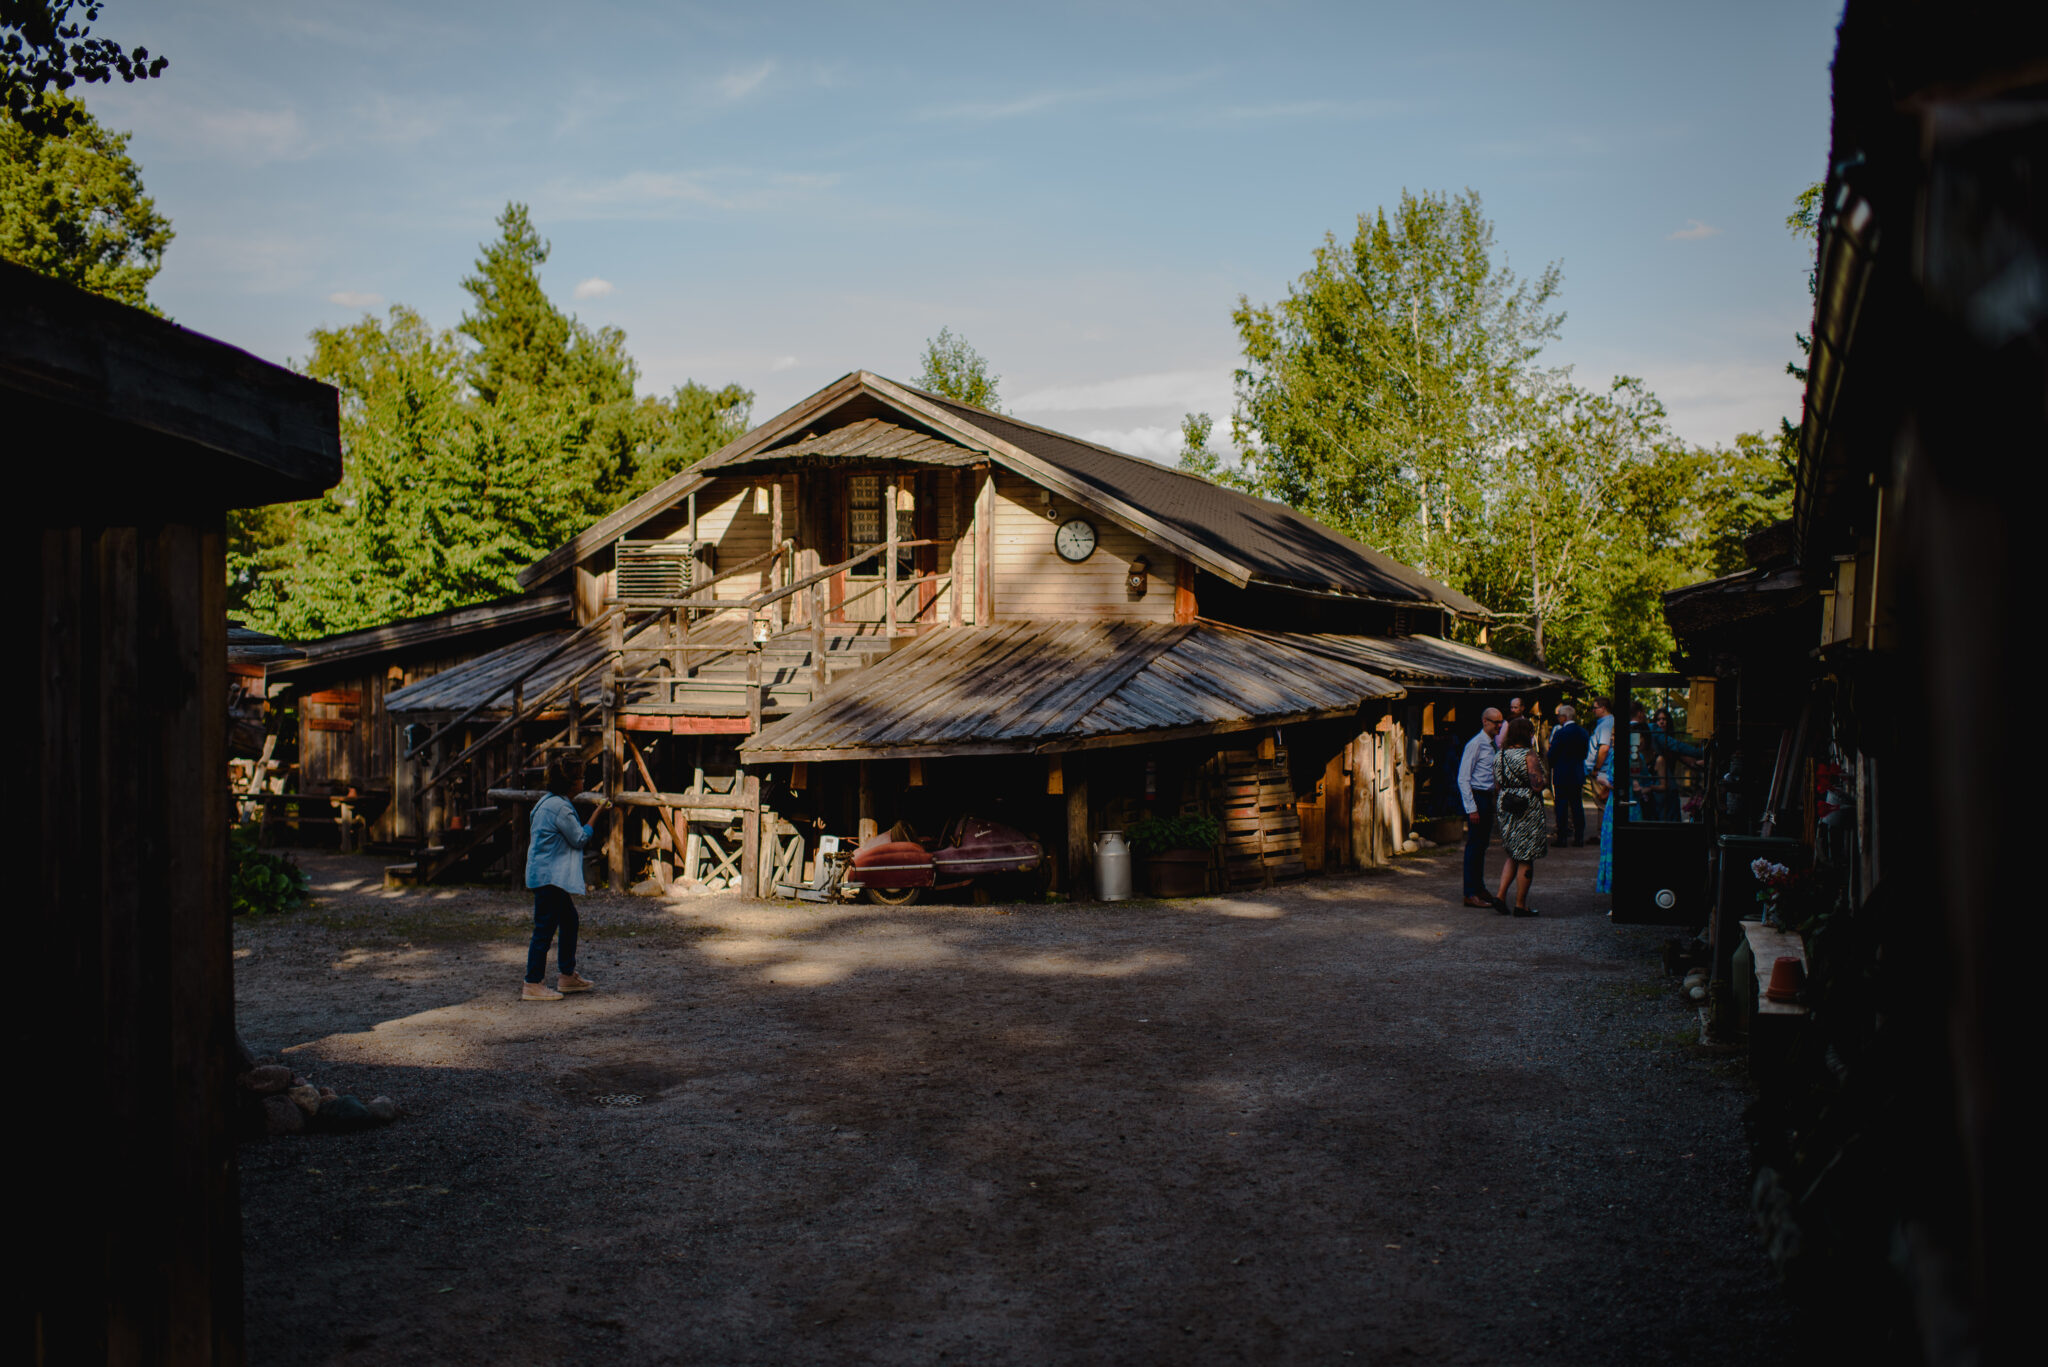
(1080, 861)
(1184, 608)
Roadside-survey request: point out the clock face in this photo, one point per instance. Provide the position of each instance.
(1075, 539)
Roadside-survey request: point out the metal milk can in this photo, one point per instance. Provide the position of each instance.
(1112, 867)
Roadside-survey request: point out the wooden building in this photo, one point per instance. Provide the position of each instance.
(1871, 666)
(348, 751)
(817, 620)
(137, 435)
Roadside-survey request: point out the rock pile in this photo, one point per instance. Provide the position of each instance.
(289, 1103)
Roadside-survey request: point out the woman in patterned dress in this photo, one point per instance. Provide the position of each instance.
(1524, 835)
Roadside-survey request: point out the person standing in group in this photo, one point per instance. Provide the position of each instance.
(1603, 790)
(1568, 744)
(1475, 788)
(554, 870)
(1599, 746)
(1514, 715)
(1518, 797)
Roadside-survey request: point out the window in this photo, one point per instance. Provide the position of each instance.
(864, 496)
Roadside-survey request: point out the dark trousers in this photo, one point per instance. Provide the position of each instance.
(552, 909)
(1571, 811)
(1477, 833)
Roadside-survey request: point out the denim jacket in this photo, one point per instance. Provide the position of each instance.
(556, 855)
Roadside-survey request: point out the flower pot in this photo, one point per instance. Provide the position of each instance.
(1177, 873)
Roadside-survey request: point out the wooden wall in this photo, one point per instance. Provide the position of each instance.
(357, 743)
(1031, 581)
(116, 795)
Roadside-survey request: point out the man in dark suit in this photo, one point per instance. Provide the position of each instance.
(1568, 745)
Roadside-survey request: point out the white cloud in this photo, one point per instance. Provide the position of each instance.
(1039, 101)
(355, 299)
(743, 81)
(667, 194)
(1196, 391)
(593, 288)
(1693, 231)
(1153, 443)
(782, 363)
(252, 136)
(1711, 401)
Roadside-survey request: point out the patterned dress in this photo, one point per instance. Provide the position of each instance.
(1526, 838)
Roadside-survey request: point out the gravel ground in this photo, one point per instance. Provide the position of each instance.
(1345, 1120)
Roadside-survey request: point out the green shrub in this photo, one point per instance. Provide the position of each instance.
(259, 880)
(1158, 834)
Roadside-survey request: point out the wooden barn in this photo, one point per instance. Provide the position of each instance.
(140, 436)
(881, 602)
(343, 776)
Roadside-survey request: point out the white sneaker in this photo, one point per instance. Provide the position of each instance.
(538, 992)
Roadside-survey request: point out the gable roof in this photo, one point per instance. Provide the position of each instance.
(1239, 538)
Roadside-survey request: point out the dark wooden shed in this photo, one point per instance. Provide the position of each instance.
(131, 437)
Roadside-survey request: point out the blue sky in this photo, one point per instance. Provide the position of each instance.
(776, 194)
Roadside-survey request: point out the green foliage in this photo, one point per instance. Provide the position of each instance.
(468, 454)
(72, 206)
(259, 881)
(1396, 393)
(1373, 393)
(46, 46)
(955, 369)
(1157, 834)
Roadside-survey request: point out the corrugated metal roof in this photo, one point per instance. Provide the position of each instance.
(1032, 686)
(1430, 661)
(1270, 539)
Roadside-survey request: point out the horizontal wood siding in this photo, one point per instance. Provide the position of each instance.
(1031, 581)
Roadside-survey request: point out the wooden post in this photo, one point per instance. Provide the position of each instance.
(984, 556)
(1184, 610)
(750, 835)
(889, 570)
(868, 825)
(960, 544)
(781, 605)
(764, 863)
(615, 828)
(1360, 809)
(753, 689)
(1336, 814)
(818, 676)
(1080, 858)
(575, 710)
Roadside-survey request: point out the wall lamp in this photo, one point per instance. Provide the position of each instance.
(1141, 570)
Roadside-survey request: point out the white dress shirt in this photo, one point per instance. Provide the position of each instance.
(1475, 769)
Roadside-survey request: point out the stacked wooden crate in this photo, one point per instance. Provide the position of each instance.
(1261, 825)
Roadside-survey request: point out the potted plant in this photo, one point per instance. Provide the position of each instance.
(1175, 852)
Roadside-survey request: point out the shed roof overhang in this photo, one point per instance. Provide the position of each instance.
(162, 416)
(1046, 688)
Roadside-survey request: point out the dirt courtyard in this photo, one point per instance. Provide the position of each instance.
(1348, 1120)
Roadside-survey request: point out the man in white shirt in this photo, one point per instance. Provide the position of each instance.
(1599, 758)
(1475, 790)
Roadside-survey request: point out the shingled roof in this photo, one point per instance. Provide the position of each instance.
(1241, 539)
(1278, 544)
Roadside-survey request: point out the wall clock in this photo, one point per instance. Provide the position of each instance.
(1075, 539)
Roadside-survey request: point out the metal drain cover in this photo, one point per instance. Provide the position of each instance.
(620, 1099)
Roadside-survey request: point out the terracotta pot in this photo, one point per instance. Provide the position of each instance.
(1177, 873)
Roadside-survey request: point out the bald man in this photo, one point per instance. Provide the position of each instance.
(1475, 790)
